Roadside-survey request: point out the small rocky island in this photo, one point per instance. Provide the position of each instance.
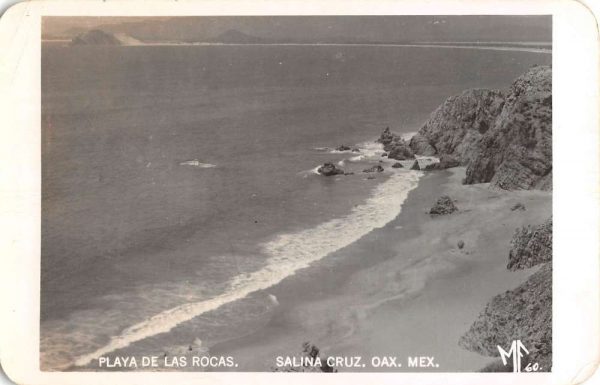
(330, 169)
(96, 37)
(395, 146)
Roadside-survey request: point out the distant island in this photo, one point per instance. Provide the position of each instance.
(100, 37)
(95, 37)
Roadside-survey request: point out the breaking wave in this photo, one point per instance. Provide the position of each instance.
(287, 253)
(197, 163)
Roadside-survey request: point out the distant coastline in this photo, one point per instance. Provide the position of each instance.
(237, 38)
(500, 46)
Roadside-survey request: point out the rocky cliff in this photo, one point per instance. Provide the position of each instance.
(531, 246)
(503, 138)
(458, 125)
(517, 153)
(524, 313)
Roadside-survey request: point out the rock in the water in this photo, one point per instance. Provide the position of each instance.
(386, 137)
(531, 246)
(460, 244)
(371, 177)
(329, 169)
(384, 154)
(517, 152)
(518, 206)
(443, 206)
(397, 165)
(343, 148)
(525, 314)
(396, 147)
(95, 37)
(446, 161)
(376, 168)
(400, 151)
(415, 166)
(355, 149)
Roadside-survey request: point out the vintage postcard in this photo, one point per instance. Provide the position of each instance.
(363, 192)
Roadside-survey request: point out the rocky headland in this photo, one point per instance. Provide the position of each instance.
(503, 138)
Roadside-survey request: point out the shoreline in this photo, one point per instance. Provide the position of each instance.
(414, 283)
(288, 253)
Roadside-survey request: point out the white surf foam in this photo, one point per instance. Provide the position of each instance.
(371, 150)
(312, 171)
(357, 158)
(273, 299)
(287, 254)
(197, 163)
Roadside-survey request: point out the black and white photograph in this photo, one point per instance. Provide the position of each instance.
(296, 193)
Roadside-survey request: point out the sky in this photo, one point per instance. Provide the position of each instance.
(315, 28)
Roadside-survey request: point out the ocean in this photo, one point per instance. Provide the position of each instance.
(179, 181)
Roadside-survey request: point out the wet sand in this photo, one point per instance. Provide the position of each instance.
(402, 290)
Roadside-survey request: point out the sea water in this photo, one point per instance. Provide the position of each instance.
(179, 180)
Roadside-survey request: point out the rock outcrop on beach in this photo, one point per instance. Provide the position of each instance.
(502, 138)
(531, 246)
(310, 354)
(330, 169)
(395, 146)
(446, 161)
(444, 206)
(518, 207)
(376, 168)
(524, 313)
(95, 37)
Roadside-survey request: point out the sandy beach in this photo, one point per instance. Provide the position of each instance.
(405, 289)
